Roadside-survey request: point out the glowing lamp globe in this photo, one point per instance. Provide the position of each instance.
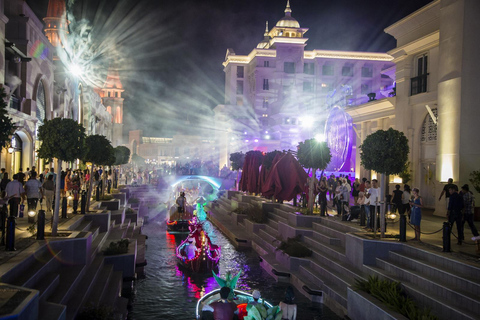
(31, 213)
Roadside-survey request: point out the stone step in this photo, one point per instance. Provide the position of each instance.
(84, 288)
(438, 273)
(338, 268)
(304, 283)
(271, 231)
(272, 223)
(323, 229)
(326, 239)
(440, 307)
(51, 311)
(113, 290)
(267, 237)
(320, 249)
(264, 244)
(44, 263)
(281, 213)
(94, 231)
(97, 244)
(335, 292)
(47, 285)
(70, 277)
(276, 218)
(100, 285)
(84, 226)
(339, 225)
(457, 297)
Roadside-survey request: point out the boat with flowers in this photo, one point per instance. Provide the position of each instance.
(197, 253)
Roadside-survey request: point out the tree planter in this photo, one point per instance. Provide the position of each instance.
(124, 262)
(362, 306)
(253, 227)
(120, 196)
(112, 205)
(291, 263)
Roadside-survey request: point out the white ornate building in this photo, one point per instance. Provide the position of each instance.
(280, 94)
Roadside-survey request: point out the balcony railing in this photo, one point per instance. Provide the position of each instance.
(418, 84)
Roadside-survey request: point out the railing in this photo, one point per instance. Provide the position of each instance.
(418, 84)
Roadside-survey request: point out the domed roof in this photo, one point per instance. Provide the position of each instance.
(288, 21)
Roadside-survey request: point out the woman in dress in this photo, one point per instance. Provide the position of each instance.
(416, 212)
(322, 196)
(289, 309)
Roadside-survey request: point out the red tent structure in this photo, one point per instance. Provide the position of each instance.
(286, 179)
(250, 172)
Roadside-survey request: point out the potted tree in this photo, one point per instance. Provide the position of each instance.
(386, 152)
(315, 155)
(63, 139)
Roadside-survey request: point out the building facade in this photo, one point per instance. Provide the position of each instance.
(280, 94)
(38, 85)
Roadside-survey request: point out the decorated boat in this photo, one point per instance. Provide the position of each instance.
(241, 298)
(197, 253)
(179, 222)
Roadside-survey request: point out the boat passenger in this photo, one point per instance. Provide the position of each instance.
(191, 248)
(181, 203)
(287, 306)
(255, 296)
(222, 309)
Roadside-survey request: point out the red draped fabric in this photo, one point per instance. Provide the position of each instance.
(286, 179)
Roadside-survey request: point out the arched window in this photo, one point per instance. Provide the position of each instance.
(40, 111)
(429, 128)
(118, 115)
(109, 109)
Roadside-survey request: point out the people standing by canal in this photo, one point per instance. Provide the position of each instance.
(374, 196)
(15, 192)
(48, 191)
(355, 190)
(322, 196)
(416, 215)
(469, 204)
(445, 191)
(406, 196)
(454, 213)
(34, 191)
(367, 204)
(397, 200)
(289, 309)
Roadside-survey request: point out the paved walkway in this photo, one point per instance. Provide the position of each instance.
(432, 234)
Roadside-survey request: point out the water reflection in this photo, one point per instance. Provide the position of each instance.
(169, 292)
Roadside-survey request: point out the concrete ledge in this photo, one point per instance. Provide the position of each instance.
(302, 221)
(252, 227)
(290, 263)
(113, 204)
(287, 231)
(120, 196)
(102, 220)
(362, 306)
(236, 217)
(124, 262)
(126, 191)
(18, 303)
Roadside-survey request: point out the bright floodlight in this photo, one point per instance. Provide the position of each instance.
(76, 70)
(307, 122)
(31, 213)
(320, 137)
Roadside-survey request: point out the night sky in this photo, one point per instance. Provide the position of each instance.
(172, 71)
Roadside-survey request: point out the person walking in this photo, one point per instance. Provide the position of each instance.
(468, 205)
(15, 193)
(454, 213)
(445, 191)
(397, 200)
(33, 188)
(416, 215)
(4, 182)
(48, 191)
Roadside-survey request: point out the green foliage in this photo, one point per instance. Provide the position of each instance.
(96, 313)
(475, 180)
(392, 295)
(236, 160)
(133, 200)
(294, 248)
(269, 157)
(120, 186)
(106, 197)
(129, 211)
(313, 154)
(7, 127)
(61, 138)
(385, 151)
(406, 174)
(32, 229)
(119, 247)
(99, 150)
(139, 161)
(256, 214)
(122, 155)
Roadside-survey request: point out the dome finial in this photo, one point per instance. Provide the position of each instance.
(288, 10)
(266, 28)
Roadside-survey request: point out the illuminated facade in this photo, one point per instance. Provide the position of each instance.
(280, 94)
(435, 102)
(39, 87)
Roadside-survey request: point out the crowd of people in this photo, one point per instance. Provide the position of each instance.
(33, 188)
(366, 197)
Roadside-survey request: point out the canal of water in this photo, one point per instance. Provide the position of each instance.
(166, 292)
